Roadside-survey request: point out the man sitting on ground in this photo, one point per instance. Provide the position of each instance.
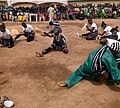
(92, 28)
(51, 32)
(6, 39)
(59, 43)
(27, 32)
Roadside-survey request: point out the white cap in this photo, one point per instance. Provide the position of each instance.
(8, 103)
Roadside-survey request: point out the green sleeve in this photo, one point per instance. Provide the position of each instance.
(118, 55)
(112, 67)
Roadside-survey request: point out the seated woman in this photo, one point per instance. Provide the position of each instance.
(106, 30)
(53, 26)
(59, 43)
(93, 31)
(6, 39)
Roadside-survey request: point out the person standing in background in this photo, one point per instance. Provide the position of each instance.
(0, 14)
(51, 12)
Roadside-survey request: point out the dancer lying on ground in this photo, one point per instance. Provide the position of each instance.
(101, 63)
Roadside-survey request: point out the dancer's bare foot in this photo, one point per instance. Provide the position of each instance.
(38, 54)
(62, 84)
(78, 34)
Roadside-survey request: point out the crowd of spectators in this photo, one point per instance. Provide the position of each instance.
(62, 12)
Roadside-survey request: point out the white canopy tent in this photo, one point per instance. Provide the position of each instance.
(11, 2)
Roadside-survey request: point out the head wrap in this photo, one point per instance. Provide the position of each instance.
(56, 24)
(115, 46)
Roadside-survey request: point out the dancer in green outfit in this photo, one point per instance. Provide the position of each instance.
(100, 63)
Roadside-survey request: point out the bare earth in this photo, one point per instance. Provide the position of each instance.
(32, 82)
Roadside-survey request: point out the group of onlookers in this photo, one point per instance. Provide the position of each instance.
(106, 10)
(62, 12)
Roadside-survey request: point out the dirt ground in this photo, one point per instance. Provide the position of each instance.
(32, 82)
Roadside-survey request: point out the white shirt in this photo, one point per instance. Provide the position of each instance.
(10, 13)
(118, 33)
(95, 27)
(51, 10)
(107, 30)
(110, 41)
(28, 29)
(91, 26)
(6, 34)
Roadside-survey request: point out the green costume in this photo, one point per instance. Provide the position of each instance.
(86, 69)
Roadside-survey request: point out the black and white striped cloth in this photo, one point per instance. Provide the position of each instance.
(56, 24)
(115, 46)
(98, 69)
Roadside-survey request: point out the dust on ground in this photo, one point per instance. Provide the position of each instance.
(32, 82)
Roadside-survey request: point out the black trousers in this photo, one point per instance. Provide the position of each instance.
(7, 42)
(49, 49)
(30, 36)
(90, 35)
(54, 47)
